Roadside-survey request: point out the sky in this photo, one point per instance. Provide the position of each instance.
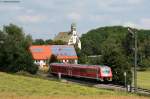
(46, 18)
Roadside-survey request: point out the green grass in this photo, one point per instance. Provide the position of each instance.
(143, 79)
(28, 86)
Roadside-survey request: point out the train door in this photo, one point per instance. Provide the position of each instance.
(98, 73)
(70, 70)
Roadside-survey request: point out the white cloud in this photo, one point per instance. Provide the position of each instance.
(104, 19)
(32, 18)
(145, 23)
(30, 11)
(74, 16)
(55, 14)
(118, 5)
(10, 8)
(107, 3)
(130, 24)
(135, 1)
(96, 17)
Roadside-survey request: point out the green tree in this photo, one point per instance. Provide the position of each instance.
(14, 54)
(38, 42)
(128, 44)
(145, 64)
(112, 56)
(115, 45)
(49, 41)
(53, 59)
(147, 49)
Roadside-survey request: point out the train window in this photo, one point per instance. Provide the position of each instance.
(91, 70)
(82, 70)
(106, 71)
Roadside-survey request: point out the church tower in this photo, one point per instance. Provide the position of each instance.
(73, 29)
(74, 40)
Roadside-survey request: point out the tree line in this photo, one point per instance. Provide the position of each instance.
(115, 47)
(48, 42)
(14, 49)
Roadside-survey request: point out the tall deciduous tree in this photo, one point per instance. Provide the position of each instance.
(14, 54)
(112, 56)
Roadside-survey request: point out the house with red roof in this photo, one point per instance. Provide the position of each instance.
(42, 53)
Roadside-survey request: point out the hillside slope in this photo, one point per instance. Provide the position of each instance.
(93, 40)
(20, 85)
(114, 46)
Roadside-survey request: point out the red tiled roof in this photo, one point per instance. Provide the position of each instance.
(43, 52)
(40, 52)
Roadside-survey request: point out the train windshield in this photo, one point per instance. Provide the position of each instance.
(105, 71)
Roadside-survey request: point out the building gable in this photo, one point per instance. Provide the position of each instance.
(63, 36)
(40, 52)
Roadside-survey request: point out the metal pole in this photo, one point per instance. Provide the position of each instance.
(135, 62)
(135, 58)
(59, 75)
(125, 79)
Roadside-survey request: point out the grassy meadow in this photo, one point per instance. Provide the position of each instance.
(143, 80)
(22, 87)
(73, 97)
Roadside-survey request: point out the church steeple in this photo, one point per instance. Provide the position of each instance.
(73, 29)
(74, 40)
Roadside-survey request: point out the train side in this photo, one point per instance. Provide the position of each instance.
(85, 71)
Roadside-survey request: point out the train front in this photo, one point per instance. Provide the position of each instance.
(106, 73)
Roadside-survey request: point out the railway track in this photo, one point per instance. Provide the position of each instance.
(108, 85)
(143, 91)
(97, 84)
(94, 83)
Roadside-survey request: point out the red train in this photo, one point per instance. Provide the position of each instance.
(86, 71)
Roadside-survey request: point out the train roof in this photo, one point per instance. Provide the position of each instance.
(82, 65)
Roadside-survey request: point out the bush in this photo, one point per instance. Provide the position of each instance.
(145, 64)
(33, 69)
(24, 73)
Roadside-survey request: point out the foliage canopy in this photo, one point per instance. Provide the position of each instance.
(116, 47)
(14, 54)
